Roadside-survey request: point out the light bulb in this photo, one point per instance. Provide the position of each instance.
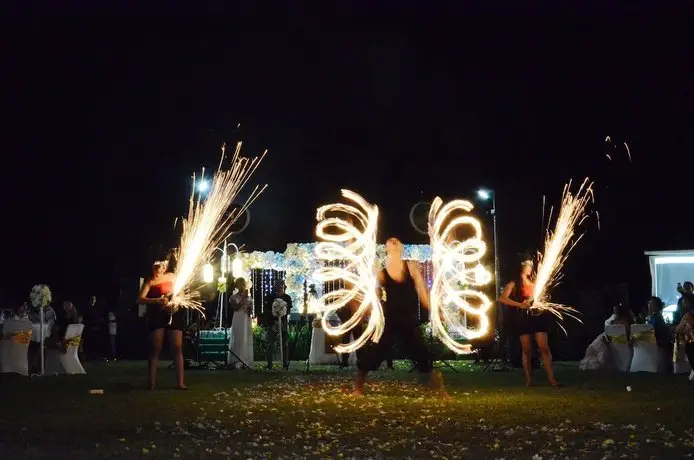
(207, 273)
(237, 267)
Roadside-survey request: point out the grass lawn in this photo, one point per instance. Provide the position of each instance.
(272, 414)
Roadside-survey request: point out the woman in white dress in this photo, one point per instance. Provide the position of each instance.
(241, 325)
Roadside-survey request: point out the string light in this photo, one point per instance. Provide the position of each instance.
(237, 267)
(207, 273)
(343, 241)
(455, 276)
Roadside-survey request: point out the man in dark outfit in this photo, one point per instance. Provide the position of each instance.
(272, 324)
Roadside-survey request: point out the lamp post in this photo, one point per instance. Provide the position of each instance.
(486, 195)
(236, 272)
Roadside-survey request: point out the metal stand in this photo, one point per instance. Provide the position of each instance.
(43, 343)
(498, 361)
(443, 362)
(238, 361)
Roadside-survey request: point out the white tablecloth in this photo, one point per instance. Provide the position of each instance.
(318, 355)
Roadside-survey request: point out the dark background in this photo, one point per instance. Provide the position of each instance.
(106, 118)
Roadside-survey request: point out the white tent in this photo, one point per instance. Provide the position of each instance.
(667, 269)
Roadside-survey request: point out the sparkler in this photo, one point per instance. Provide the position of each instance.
(608, 140)
(455, 276)
(208, 223)
(558, 244)
(358, 249)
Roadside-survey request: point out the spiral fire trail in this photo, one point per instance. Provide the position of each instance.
(208, 223)
(343, 241)
(454, 277)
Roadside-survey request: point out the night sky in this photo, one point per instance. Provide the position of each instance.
(106, 120)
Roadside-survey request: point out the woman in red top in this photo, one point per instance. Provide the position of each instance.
(525, 322)
(160, 317)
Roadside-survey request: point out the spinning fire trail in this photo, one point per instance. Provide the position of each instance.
(358, 249)
(208, 223)
(454, 277)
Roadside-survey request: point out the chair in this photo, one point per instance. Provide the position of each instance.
(619, 346)
(14, 347)
(646, 355)
(322, 351)
(58, 362)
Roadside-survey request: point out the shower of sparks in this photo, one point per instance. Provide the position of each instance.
(456, 271)
(608, 140)
(342, 240)
(208, 223)
(558, 244)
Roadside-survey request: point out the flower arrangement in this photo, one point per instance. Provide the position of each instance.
(279, 308)
(40, 296)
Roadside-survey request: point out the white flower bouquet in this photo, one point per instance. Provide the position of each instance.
(279, 308)
(40, 296)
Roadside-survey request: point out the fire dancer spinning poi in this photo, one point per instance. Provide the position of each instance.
(403, 284)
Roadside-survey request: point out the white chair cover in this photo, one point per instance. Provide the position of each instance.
(619, 346)
(680, 362)
(58, 362)
(317, 355)
(646, 355)
(14, 346)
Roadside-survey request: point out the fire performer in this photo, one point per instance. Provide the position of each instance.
(526, 322)
(155, 294)
(404, 285)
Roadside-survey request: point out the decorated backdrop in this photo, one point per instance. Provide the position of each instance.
(298, 263)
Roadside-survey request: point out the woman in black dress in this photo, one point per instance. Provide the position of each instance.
(155, 294)
(526, 322)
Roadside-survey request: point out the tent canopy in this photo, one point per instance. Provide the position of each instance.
(667, 269)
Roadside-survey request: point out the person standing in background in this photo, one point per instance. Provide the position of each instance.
(112, 331)
(276, 327)
(92, 336)
(683, 289)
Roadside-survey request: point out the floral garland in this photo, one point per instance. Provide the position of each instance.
(299, 263)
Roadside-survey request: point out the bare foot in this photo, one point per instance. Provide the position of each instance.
(443, 394)
(529, 383)
(181, 387)
(556, 384)
(357, 393)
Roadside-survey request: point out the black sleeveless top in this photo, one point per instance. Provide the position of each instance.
(402, 301)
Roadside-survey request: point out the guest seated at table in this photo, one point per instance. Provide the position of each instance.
(18, 313)
(621, 315)
(663, 335)
(685, 329)
(68, 317)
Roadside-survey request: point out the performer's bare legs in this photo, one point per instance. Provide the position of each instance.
(176, 341)
(543, 346)
(156, 338)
